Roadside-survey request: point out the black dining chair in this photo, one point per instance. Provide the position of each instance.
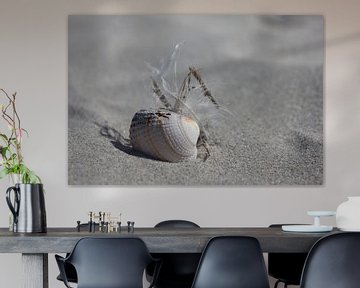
(286, 267)
(333, 262)
(232, 262)
(108, 263)
(70, 271)
(178, 269)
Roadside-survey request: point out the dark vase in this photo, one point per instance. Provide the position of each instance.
(27, 207)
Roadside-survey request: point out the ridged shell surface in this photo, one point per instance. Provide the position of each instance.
(164, 135)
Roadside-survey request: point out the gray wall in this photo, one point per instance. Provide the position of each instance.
(33, 62)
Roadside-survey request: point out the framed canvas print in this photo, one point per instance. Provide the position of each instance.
(195, 99)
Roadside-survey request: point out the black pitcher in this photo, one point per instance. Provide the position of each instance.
(28, 207)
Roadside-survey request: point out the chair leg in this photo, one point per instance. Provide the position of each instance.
(279, 281)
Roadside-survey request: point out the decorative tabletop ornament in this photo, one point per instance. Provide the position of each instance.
(25, 197)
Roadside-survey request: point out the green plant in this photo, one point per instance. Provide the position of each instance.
(11, 159)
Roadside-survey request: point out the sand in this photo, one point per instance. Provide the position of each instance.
(266, 71)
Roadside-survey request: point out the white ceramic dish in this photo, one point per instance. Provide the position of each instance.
(316, 227)
(306, 228)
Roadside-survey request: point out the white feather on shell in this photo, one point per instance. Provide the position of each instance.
(164, 135)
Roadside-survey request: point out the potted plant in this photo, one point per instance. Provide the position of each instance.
(11, 159)
(25, 197)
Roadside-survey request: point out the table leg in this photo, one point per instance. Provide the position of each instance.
(35, 270)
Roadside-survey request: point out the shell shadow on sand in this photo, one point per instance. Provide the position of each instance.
(119, 141)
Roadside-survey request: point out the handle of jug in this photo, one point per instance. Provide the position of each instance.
(14, 208)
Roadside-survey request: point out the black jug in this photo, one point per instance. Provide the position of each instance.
(28, 208)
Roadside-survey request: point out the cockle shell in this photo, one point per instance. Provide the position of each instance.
(164, 135)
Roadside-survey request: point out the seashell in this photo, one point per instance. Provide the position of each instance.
(164, 135)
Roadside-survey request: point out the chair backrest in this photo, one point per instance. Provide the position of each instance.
(178, 269)
(176, 224)
(232, 262)
(333, 262)
(110, 262)
(286, 267)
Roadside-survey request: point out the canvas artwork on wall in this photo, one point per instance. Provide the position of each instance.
(195, 100)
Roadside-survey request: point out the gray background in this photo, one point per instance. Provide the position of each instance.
(266, 70)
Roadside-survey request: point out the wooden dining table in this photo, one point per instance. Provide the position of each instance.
(35, 247)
